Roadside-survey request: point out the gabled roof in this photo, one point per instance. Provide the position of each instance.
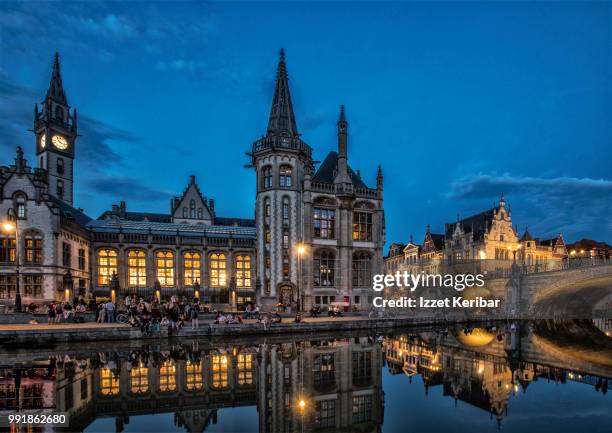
(526, 236)
(328, 168)
(476, 224)
(176, 203)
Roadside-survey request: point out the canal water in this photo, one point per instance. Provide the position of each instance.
(521, 377)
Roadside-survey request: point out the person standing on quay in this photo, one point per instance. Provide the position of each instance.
(110, 311)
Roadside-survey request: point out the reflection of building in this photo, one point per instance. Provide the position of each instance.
(338, 380)
(329, 210)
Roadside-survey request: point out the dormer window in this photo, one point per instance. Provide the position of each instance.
(192, 209)
(20, 205)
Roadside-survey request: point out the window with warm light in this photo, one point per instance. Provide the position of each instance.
(219, 371)
(218, 270)
(109, 382)
(243, 271)
(191, 267)
(167, 377)
(137, 268)
(164, 267)
(7, 249)
(362, 226)
(193, 376)
(245, 369)
(107, 266)
(139, 380)
(33, 249)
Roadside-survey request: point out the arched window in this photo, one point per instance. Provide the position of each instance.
(33, 248)
(60, 189)
(139, 380)
(20, 204)
(200, 213)
(324, 269)
(167, 377)
(193, 376)
(267, 177)
(243, 271)
(218, 270)
(191, 267)
(185, 212)
(107, 266)
(109, 382)
(286, 210)
(137, 268)
(219, 371)
(284, 176)
(60, 166)
(362, 269)
(192, 209)
(164, 265)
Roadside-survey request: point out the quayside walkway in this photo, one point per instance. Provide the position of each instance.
(20, 334)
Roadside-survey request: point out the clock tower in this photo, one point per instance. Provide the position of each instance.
(55, 128)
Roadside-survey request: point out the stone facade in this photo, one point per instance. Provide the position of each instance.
(317, 236)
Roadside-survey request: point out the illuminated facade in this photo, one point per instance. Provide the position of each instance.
(329, 214)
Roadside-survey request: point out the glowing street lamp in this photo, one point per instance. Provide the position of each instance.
(301, 250)
(9, 226)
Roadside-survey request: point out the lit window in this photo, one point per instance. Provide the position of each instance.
(167, 377)
(33, 249)
(193, 376)
(164, 264)
(139, 380)
(219, 371)
(324, 267)
(218, 273)
(362, 226)
(245, 369)
(243, 271)
(191, 265)
(8, 286)
(109, 382)
(137, 269)
(7, 249)
(267, 208)
(107, 266)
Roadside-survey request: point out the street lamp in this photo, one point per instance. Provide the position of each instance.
(301, 250)
(10, 225)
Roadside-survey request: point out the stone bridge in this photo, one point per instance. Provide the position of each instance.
(583, 292)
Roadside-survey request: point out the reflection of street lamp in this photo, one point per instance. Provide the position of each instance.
(11, 225)
(68, 285)
(301, 249)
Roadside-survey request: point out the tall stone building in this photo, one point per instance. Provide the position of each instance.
(317, 236)
(320, 232)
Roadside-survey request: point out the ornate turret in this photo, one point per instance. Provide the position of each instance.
(379, 178)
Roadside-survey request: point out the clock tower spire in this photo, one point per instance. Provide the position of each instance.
(55, 128)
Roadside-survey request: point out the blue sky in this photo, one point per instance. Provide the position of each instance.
(457, 101)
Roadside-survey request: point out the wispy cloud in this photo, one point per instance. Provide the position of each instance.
(548, 205)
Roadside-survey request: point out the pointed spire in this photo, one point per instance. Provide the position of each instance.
(427, 230)
(56, 90)
(282, 118)
(379, 178)
(502, 202)
(343, 175)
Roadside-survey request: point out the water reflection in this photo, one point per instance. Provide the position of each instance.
(296, 385)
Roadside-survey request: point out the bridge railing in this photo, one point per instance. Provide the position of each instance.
(565, 264)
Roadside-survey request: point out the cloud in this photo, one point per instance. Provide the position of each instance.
(125, 188)
(574, 206)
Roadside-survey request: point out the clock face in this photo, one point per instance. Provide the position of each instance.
(43, 141)
(59, 142)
